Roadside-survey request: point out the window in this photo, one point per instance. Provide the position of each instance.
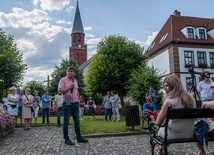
(189, 83)
(74, 38)
(151, 46)
(201, 58)
(164, 38)
(211, 59)
(190, 33)
(79, 38)
(201, 34)
(188, 57)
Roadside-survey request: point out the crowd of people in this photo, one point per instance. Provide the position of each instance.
(69, 102)
(26, 106)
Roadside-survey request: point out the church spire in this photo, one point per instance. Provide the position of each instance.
(77, 25)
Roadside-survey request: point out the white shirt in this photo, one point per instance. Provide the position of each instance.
(58, 100)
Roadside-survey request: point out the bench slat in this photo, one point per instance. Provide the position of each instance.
(190, 113)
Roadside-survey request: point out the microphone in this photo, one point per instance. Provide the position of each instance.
(72, 88)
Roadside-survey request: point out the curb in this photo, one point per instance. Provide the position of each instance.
(116, 134)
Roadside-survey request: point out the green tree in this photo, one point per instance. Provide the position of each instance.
(11, 61)
(111, 67)
(140, 81)
(60, 71)
(34, 85)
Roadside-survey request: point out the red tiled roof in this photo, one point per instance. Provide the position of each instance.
(173, 27)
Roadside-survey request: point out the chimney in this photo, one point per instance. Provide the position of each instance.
(177, 13)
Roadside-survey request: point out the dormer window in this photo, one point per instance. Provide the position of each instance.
(151, 46)
(164, 38)
(190, 33)
(201, 33)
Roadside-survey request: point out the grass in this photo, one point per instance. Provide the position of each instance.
(88, 126)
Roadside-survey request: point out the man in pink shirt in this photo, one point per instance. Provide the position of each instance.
(68, 86)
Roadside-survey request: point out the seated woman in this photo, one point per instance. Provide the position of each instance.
(176, 97)
(149, 109)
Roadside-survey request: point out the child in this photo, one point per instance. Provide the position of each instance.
(149, 109)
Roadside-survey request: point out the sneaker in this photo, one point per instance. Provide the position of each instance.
(69, 142)
(82, 140)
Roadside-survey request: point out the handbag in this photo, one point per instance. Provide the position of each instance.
(31, 108)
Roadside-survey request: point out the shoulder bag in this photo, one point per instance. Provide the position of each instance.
(32, 110)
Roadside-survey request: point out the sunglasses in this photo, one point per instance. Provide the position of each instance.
(212, 87)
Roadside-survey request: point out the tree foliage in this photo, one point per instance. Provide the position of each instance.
(141, 80)
(34, 85)
(11, 61)
(111, 67)
(60, 71)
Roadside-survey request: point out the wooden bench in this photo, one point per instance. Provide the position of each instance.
(177, 114)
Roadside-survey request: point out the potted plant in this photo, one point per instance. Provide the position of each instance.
(202, 65)
(189, 65)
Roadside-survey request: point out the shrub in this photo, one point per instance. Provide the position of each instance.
(6, 119)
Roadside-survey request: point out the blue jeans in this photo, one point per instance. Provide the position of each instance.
(108, 112)
(59, 111)
(45, 111)
(67, 111)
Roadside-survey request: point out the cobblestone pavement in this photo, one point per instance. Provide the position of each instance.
(48, 141)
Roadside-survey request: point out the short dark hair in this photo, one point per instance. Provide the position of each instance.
(71, 68)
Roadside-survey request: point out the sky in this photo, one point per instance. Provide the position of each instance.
(42, 28)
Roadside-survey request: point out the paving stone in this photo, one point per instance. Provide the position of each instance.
(48, 140)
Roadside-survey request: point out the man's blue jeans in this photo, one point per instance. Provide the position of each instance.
(59, 111)
(108, 112)
(45, 111)
(67, 111)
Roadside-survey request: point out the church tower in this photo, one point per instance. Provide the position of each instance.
(78, 49)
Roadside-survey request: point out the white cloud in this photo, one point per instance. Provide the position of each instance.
(22, 18)
(41, 43)
(93, 41)
(94, 52)
(51, 5)
(88, 28)
(149, 40)
(61, 22)
(142, 44)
